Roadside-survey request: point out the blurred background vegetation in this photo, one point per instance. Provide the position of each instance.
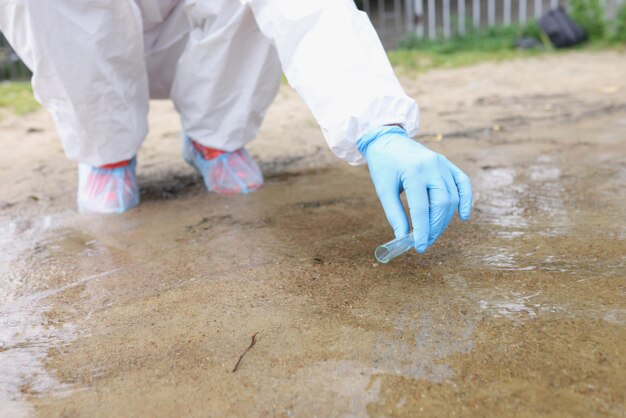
(17, 96)
(413, 54)
(501, 43)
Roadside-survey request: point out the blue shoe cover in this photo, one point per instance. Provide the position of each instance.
(107, 190)
(226, 173)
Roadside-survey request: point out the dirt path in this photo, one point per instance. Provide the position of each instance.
(520, 312)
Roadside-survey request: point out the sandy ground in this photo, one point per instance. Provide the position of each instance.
(520, 312)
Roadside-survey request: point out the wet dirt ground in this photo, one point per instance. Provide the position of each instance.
(520, 312)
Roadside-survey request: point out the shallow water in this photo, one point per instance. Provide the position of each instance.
(521, 311)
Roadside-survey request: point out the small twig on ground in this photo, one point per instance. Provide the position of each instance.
(245, 352)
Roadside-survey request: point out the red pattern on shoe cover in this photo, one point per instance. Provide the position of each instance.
(111, 188)
(222, 171)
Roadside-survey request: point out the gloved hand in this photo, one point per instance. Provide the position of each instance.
(434, 187)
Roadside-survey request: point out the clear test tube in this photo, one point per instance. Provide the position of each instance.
(387, 252)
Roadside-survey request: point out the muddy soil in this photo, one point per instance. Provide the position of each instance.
(520, 312)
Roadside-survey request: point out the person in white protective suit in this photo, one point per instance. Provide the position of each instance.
(96, 64)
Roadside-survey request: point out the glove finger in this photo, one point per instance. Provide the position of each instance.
(453, 197)
(417, 197)
(389, 196)
(464, 186)
(439, 208)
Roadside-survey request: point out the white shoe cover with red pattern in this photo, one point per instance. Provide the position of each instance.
(229, 173)
(107, 190)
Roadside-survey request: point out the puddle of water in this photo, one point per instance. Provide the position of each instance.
(498, 197)
(509, 308)
(515, 309)
(27, 329)
(23, 338)
(345, 387)
(425, 333)
(615, 316)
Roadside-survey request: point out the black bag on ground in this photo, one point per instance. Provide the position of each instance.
(561, 29)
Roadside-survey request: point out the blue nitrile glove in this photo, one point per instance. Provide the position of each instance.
(434, 187)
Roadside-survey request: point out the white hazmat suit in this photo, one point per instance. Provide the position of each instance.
(96, 63)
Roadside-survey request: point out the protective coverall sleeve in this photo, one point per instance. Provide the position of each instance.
(332, 57)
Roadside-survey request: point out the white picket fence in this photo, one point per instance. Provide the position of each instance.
(445, 18)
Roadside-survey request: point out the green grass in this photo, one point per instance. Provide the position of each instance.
(18, 96)
(422, 61)
(495, 44)
(415, 60)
